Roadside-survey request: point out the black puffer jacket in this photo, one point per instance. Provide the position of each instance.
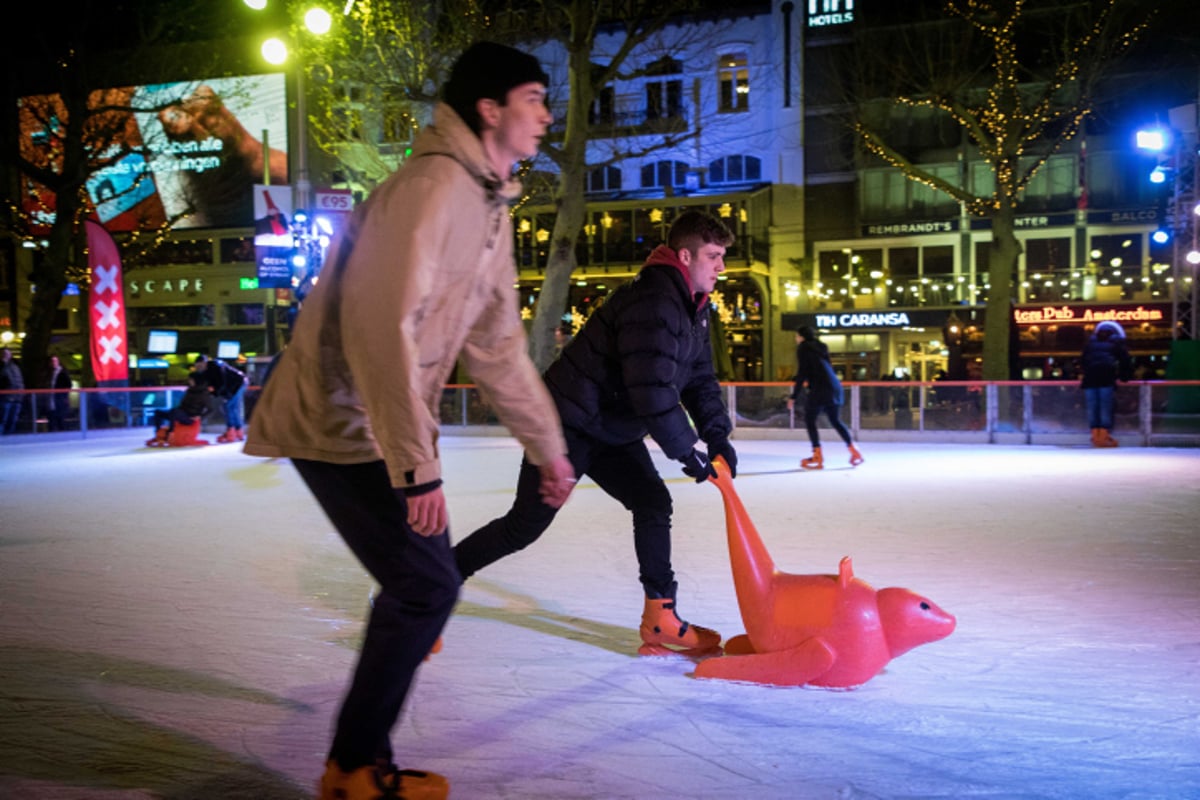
(813, 368)
(1104, 361)
(638, 357)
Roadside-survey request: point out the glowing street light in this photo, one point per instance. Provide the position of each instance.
(318, 21)
(1153, 140)
(274, 51)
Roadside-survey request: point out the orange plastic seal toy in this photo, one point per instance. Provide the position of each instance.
(833, 631)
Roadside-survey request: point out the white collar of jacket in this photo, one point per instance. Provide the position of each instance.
(450, 136)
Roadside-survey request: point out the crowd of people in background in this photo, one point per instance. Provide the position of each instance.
(46, 394)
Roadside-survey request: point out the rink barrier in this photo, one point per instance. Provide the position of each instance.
(1148, 413)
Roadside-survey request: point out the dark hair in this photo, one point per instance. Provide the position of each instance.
(691, 229)
(488, 70)
(808, 332)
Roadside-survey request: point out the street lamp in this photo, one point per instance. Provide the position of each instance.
(275, 51)
(1175, 147)
(307, 243)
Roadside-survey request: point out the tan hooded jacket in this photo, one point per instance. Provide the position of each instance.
(422, 275)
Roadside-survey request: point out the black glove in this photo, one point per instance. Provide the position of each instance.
(696, 466)
(725, 450)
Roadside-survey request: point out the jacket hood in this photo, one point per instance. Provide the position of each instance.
(450, 136)
(663, 255)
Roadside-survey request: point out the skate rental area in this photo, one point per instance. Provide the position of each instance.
(180, 623)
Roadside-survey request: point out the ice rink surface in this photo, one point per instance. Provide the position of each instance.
(181, 624)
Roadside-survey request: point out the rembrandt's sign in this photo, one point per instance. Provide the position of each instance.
(865, 319)
(823, 13)
(905, 228)
(1069, 314)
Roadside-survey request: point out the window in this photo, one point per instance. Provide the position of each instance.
(603, 179)
(664, 173)
(603, 108)
(664, 89)
(398, 125)
(1053, 186)
(735, 169)
(734, 80)
(348, 124)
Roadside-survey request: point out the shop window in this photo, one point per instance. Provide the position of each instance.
(1116, 262)
(193, 316)
(1048, 271)
(937, 285)
(237, 250)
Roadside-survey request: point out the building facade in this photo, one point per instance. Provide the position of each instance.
(744, 114)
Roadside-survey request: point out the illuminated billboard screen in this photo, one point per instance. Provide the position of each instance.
(161, 342)
(185, 154)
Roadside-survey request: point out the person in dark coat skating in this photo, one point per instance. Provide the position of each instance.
(640, 365)
(822, 391)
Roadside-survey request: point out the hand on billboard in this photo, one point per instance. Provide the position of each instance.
(203, 115)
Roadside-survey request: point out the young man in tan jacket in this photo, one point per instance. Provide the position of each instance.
(422, 277)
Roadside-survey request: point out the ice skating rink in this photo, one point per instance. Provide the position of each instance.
(180, 624)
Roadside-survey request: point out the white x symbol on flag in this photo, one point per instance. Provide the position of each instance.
(111, 353)
(108, 314)
(106, 280)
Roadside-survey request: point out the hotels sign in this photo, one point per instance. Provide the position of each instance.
(824, 13)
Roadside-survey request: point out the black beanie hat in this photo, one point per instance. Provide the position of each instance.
(488, 70)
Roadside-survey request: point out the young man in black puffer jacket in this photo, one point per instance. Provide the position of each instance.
(642, 364)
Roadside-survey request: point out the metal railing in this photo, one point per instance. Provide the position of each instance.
(996, 412)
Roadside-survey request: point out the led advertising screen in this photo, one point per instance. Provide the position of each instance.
(186, 154)
(229, 349)
(161, 342)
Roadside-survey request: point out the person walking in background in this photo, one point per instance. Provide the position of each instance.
(822, 391)
(12, 381)
(57, 403)
(421, 277)
(1104, 361)
(229, 385)
(640, 365)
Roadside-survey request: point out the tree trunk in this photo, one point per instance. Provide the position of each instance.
(1002, 267)
(571, 209)
(49, 281)
(552, 301)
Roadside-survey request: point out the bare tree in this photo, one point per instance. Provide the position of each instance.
(372, 85)
(374, 80)
(626, 30)
(1019, 78)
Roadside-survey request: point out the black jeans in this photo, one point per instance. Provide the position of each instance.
(625, 472)
(811, 412)
(418, 589)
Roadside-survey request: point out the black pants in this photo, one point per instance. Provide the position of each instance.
(625, 472)
(418, 589)
(811, 411)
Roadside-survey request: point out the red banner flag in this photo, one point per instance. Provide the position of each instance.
(106, 307)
